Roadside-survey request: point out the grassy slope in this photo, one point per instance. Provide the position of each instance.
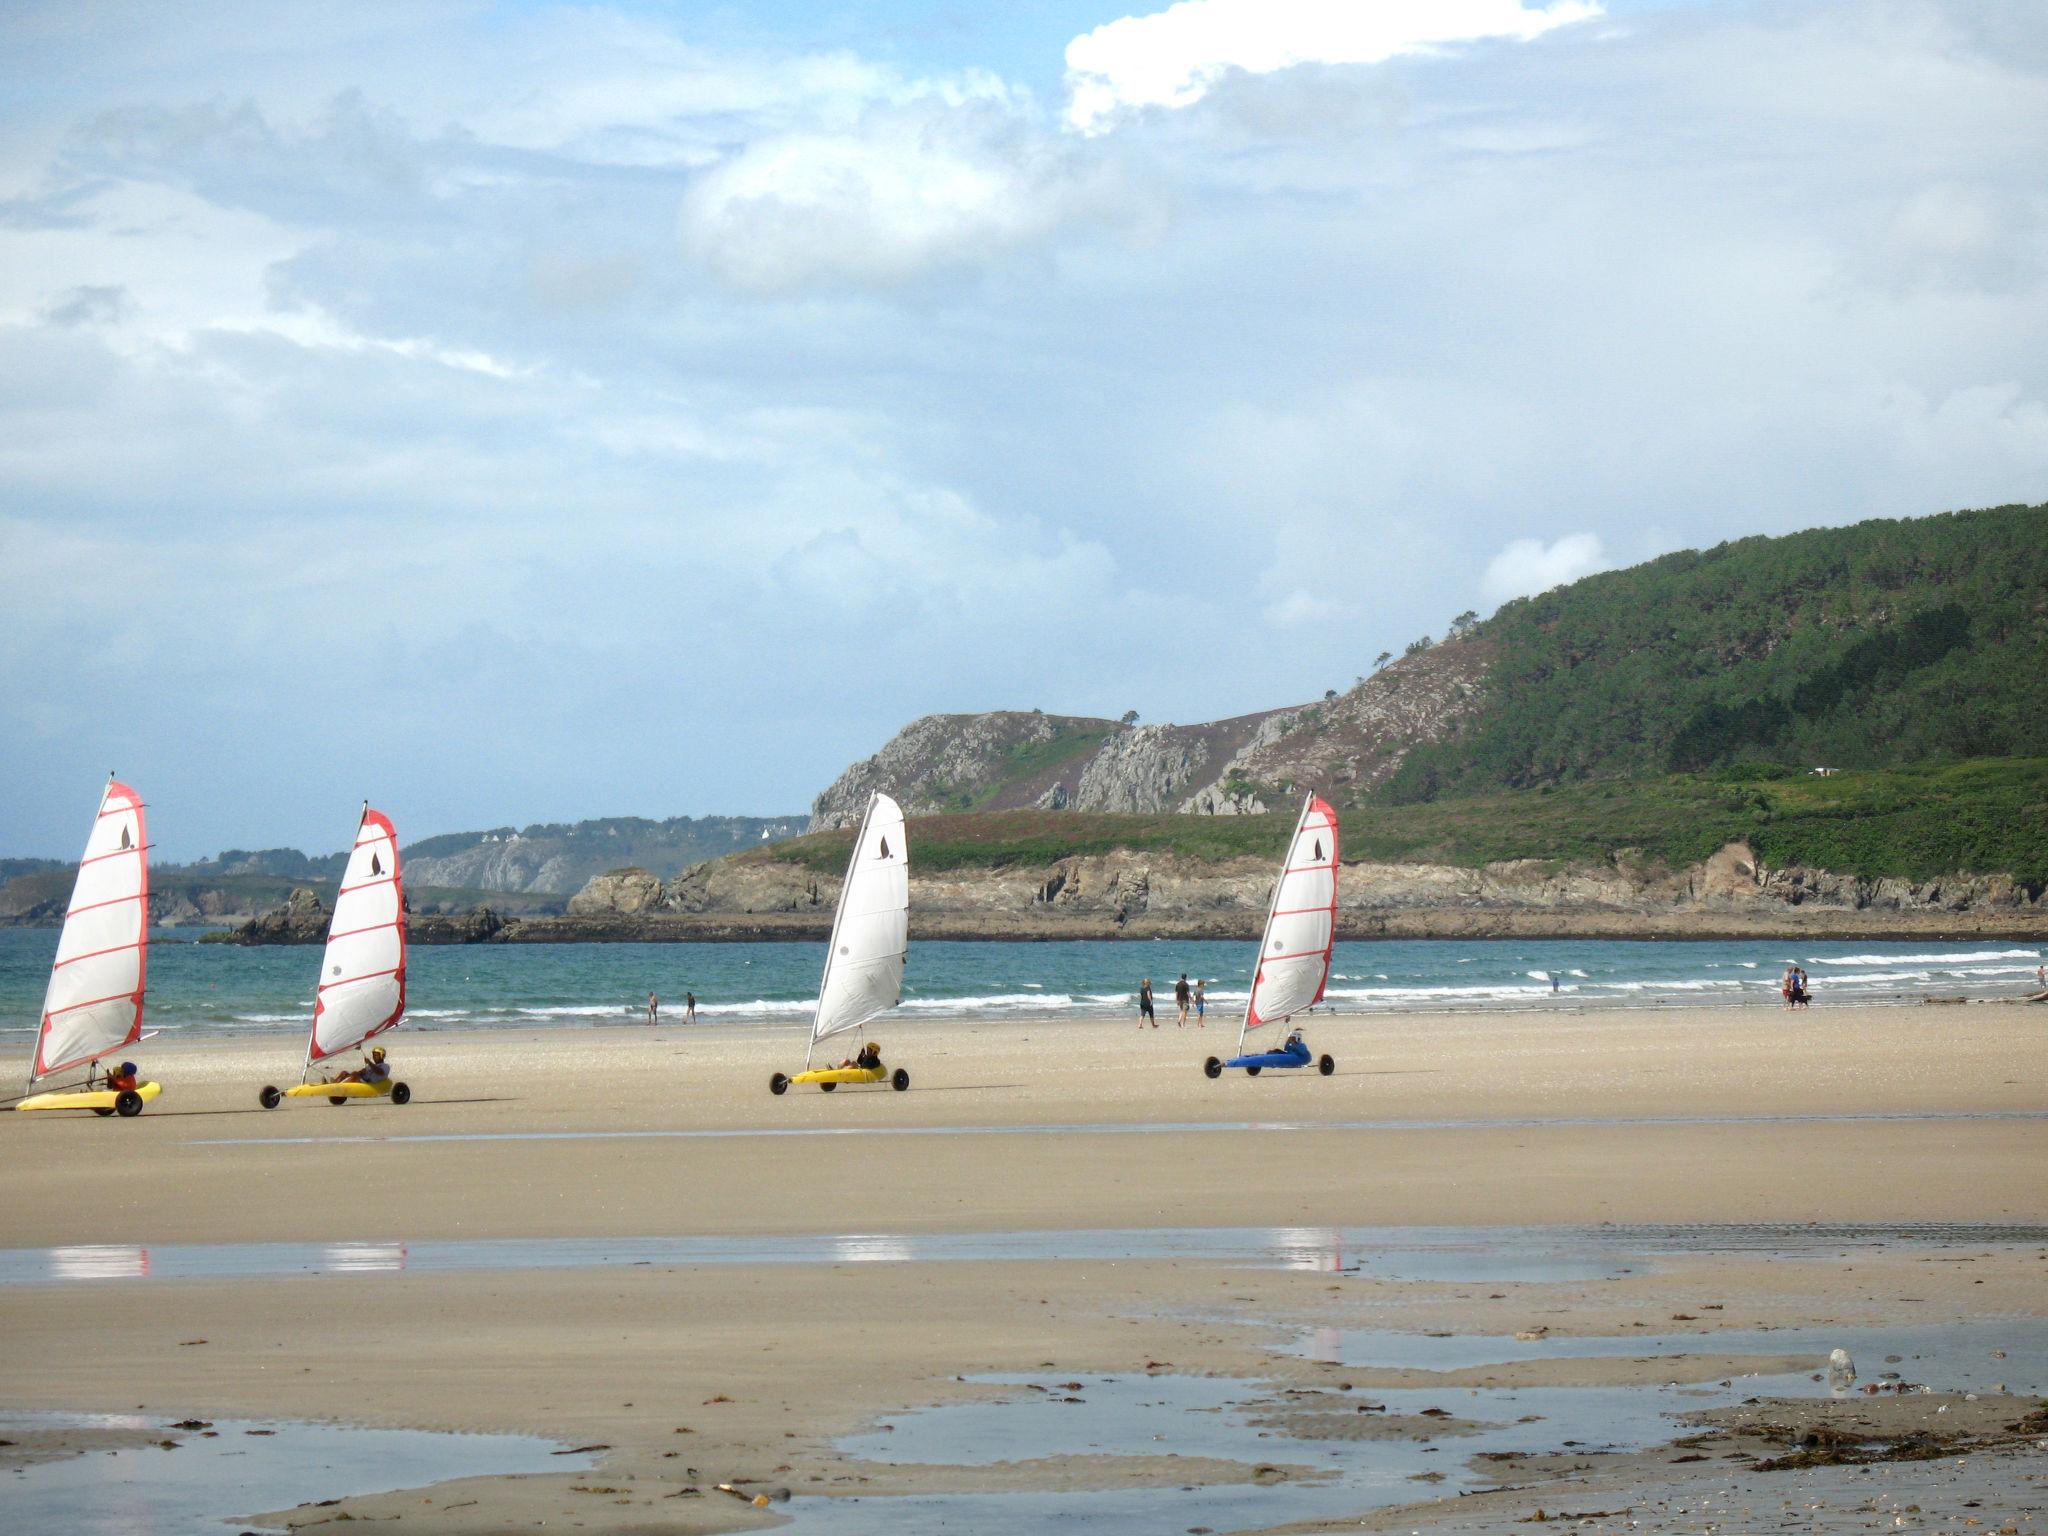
(1922, 640)
(1917, 823)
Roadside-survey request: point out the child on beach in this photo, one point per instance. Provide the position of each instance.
(1201, 1003)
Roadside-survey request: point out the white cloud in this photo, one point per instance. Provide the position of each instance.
(1529, 566)
(908, 192)
(1171, 58)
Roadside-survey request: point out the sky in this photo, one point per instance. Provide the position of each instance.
(514, 412)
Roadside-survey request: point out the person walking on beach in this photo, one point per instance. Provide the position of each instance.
(1181, 998)
(1201, 1003)
(1785, 983)
(653, 1010)
(1145, 1004)
(689, 1007)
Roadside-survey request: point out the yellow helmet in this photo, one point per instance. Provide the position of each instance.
(377, 1053)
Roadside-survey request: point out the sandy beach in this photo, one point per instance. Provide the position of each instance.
(689, 1374)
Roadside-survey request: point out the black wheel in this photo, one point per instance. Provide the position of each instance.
(1327, 1065)
(400, 1094)
(101, 1112)
(826, 1087)
(778, 1085)
(270, 1097)
(128, 1104)
(899, 1080)
(1251, 1071)
(338, 1099)
(1212, 1068)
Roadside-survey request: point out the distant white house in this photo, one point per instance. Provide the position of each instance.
(1823, 773)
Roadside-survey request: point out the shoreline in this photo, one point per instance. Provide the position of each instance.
(1423, 924)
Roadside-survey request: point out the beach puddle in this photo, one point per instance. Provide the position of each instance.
(1476, 1255)
(1333, 1449)
(167, 1479)
(2011, 1353)
(1309, 1453)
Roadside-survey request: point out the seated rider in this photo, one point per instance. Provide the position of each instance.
(122, 1079)
(373, 1071)
(1296, 1045)
(868, 1060)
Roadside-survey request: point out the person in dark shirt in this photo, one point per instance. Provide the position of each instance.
(1145, 1004)
(1182, 996)
(868, 1058)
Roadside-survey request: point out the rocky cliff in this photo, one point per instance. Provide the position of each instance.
(1011, 760)
(1153, 895)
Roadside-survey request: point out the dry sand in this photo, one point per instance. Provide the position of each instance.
(695, 1375)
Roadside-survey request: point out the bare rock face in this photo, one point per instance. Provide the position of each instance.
(747, 887)
(1346, 746)
(948, 762)
(1141, 770)
(621, 891)
(1243, 766)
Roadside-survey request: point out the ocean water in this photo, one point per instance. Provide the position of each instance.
(224, 988)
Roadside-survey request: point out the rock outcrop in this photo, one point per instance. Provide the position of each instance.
(1246, 765)
(301, 920)
(621, 891)
(1012, 760)
(1143, 895)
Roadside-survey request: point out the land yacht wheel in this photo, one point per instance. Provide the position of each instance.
(900, 1080)
(1327, 1065)
(1212, 1068)
(400, 1094)
(128, 1104)
(826, 1087)
(338, 1099)
(271, 1096)
(778, 1085)
(101, 1112)
(1253, 1071)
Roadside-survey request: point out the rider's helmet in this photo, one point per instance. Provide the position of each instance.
(128, 1069)
(377, 1053)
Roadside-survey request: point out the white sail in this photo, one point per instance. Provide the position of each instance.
(362, 972)
(864, 963)
(1294, 955)
(94, 1004)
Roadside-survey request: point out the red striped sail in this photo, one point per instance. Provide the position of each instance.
(362, 971)
(1294, 955)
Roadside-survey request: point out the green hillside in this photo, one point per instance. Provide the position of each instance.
(1889, 643)
(1916, 823)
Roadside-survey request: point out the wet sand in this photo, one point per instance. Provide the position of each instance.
(692, 1375)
